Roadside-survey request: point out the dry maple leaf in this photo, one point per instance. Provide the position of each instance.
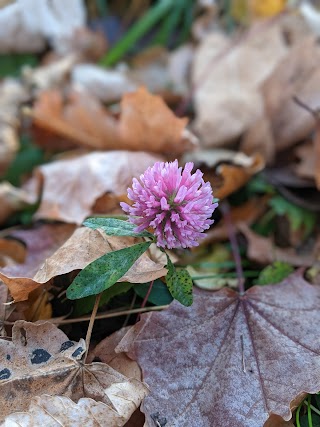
(42, 360)
(230, 359)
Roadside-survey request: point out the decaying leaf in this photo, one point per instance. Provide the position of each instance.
(230, 359)
(12, 94)
(42, 360)
(13, 200)
(106, 85)
(227, 75)
(105, 352)
(72, 186)
(26, 29)
(227, 170)
(41, 242)
(73, 253)
(264, 251)
(83, 120)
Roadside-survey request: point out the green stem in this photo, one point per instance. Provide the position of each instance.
(310, 423)
(151, 17)
(298, 415)
(313, 408)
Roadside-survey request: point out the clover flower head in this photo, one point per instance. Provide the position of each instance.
(174, 202)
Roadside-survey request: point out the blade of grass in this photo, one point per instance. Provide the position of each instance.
(148, 20)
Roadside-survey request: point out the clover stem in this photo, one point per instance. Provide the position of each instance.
(91, 323)
(234, 245)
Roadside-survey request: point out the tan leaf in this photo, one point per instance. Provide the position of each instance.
(41, 360)
(244, 355)
(227, 76)
(41, 242)
(72, 186)
(86, 245)
(105, 352)
(296, 75)
(71, 254)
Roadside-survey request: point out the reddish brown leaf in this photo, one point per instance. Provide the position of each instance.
(145, 123)
(264, 251)
(230, 359)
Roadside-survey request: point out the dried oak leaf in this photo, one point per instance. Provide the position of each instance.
(42, 360)
(145, 122)
(72, 186)
(41, 242)
(229, 359)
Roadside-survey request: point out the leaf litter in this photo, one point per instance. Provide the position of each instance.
(237, 101)
(41, 360)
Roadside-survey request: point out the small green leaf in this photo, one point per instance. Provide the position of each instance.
(159, 294)
(105, 271)
(179, 283)
(115, 227)
(297, 216)
(274, 273)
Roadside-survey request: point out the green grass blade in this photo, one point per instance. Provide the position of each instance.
(151, 17)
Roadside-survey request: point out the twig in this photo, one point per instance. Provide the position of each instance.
(59, 321)
(91, 323)
(234, 245)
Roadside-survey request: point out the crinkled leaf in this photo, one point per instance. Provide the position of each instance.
(115, 227)
(41, 359)
(159, 294)
(230, 359)
(179, 283)
(105, 271)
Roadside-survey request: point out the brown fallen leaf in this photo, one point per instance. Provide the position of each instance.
(42, 360)
(227, 75)
(229, 359)
(13, 200)
(296, 75)
(11, 252)
(105, 352)
(74, 253)
(72, 186)
(41, 242)
(247, 213)
(227, 170)
(12, 95)
(83, 120)
(264, 251)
